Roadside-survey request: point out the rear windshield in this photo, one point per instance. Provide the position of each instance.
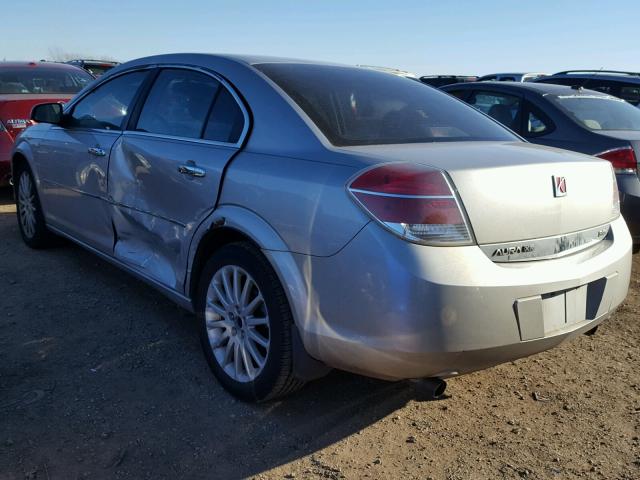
(599, 112)
(353, 106)
(39, 79)
(97, 70)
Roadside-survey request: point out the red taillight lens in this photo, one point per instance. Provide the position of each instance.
(623, 159)
(414, 201)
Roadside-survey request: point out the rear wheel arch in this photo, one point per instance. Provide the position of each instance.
(217, 237)
(214, 239)
(19, 162)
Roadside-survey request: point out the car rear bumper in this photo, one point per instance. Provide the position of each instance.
(630, 209)
(629, 186)
(391, 309)
(6, 143)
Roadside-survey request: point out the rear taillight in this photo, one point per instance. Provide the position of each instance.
(615, 209)
(623, 159)
(414, 201)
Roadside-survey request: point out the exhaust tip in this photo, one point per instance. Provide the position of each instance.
(430, 388)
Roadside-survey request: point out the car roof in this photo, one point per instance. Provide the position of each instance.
(503, 74)
(55, 65)
(449, 76)
(540, 88)
(100, 62)
(610, 75)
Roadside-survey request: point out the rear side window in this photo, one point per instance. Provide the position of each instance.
(357, 106)
(631, 94)
(178, 103)
(40, 79)
(107, 106)
(499, 106)
(226, 120)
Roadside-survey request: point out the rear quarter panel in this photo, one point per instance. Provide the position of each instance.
(304, 201)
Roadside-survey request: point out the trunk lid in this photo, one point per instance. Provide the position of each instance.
(15, 109)
(507, 189)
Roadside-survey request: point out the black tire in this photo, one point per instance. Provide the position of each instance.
(636, 248)
(38, 235)
(276, 378)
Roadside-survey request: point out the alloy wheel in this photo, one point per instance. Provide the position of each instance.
(237, 323)
(27, 204)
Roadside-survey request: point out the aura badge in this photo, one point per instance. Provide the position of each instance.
(559, 186)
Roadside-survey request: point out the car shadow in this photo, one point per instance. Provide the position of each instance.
(7, 204)
(110, 371)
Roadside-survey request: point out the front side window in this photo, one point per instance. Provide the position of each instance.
(499, 106)
(597, 112)
(107, 106)
(178, 103)
(38, 79)
(355, 106)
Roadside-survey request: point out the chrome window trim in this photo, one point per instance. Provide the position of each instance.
(245, 113)
(162, 136)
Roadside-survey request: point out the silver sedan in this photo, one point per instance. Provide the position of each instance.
(319, 216)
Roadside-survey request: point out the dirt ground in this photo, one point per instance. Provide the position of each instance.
(101, 377)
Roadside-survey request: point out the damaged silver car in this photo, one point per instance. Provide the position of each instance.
(319, 216)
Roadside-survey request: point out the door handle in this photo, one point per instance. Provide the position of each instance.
(98, 152)
(192, 170)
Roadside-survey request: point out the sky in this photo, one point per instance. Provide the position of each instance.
(424, 37)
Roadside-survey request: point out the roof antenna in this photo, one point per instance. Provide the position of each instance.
(584, 84)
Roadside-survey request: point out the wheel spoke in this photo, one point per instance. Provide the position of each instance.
(237, 361)
(217, 324)
(218, 310)
(246, 361)
(245, 292)
(258, 338)
(259, 359)
(227, 287)
(220, 296)
(228, 352)
(256, 321)
(249, 309)
(236, 285)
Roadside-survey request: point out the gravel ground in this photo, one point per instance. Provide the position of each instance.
(101, 377)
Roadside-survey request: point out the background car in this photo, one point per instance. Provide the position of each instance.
(94, 67)
(392, 71)
(23, 85)
(625, 85)
(438, 81)
(318, 216)
(575, 119)
(511, 77)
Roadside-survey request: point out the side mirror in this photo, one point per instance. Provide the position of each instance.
(47, 113)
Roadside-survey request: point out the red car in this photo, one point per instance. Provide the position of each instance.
(23, 85)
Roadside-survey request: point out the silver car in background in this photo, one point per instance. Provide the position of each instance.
(320, 216)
